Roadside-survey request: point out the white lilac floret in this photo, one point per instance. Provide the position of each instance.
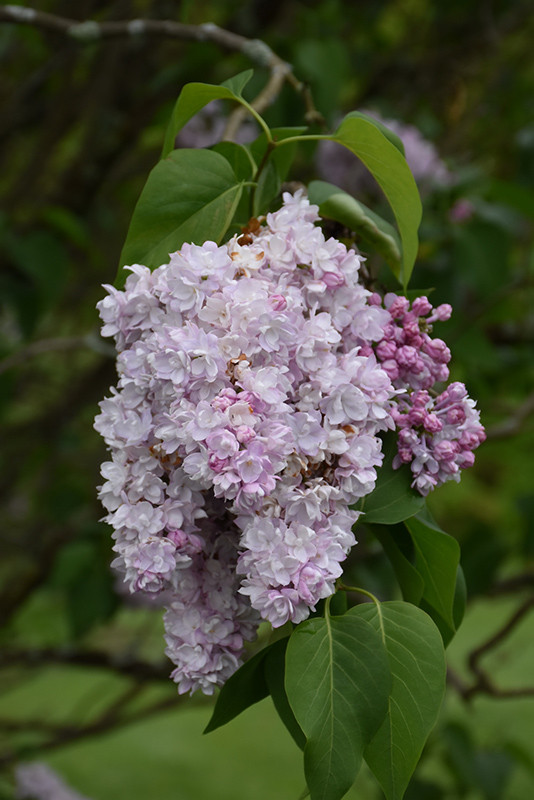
(254, 381)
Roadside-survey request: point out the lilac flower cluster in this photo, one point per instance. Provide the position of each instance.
(254, 381)
(243, 426)
(437, 432)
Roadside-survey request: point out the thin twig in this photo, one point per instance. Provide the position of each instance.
(54, 345)
(131, 667)
(483, 683)
(516, 583)
(256, 50)
(514, 423)
(501, 634)
(62, 734)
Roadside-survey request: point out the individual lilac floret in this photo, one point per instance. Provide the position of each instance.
(437, 436)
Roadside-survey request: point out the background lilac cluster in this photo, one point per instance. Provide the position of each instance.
(254, 379)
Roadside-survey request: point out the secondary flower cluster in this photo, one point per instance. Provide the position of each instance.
(437, 433)
(254, 378)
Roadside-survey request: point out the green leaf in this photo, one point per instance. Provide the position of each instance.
(388, 166)
(417, 664)
(190, 196)
(337, 683)
(458, 608)
(336, 204)
(244, 688)
(277, 167)
(195, 96)
(437, 556)
(395, 140)
(392, 538)
(274, 666)
(460, 598)
(237, 83)
(393, 499)
(238, 157)
(268, 188)
(244, 168)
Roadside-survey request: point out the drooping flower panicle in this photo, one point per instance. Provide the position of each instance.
(254, 379)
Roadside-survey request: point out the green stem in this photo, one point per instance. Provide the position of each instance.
(304, 137)
(342, 586)
(259, 119)
(269, 149)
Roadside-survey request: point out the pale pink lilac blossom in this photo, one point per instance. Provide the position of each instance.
(255, 380)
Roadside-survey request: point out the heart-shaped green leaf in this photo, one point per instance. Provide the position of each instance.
(437, 556)
(396, 541)
(338, 683)
(275, 171)
(382, 157)
(190, 196)
(417, 663)
(393, 499)
(336, 204)
(274, 668)
(194, 96)
(242, 689)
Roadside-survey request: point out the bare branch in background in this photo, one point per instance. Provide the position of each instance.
(514, 423)
(114, 717)
(483, 683)
(90, 341)
(123, 665)
(256, 50)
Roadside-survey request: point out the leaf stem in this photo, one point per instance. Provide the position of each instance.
(304, 137)
(271, 144)
(375, 600)
(259, 119)
(342, 586)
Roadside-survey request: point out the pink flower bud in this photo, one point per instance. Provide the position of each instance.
(333, 280)
(417, 416)
(432, 423)
(399, 307)
(386, 350)
(442, 312)
(217, 464)
(405, 455)
(455, 415)
(391, 368)
(421, 306)
(406, 356)
(445, 450)
(437, 350)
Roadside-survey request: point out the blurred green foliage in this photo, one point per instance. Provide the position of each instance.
(80, 128)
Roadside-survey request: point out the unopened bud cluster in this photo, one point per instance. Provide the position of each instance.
(254, 379)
